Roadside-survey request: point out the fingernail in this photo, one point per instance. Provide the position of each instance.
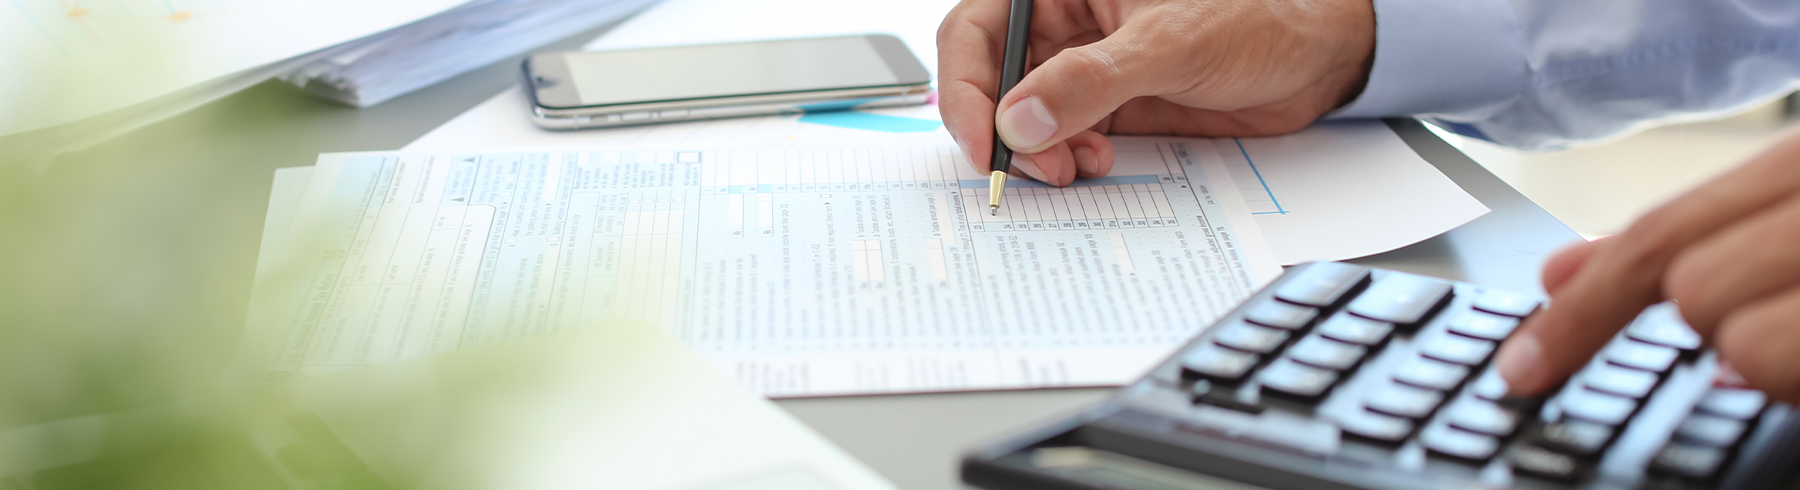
(965, 149)
(1026, 124)
(1087, 161)
(1729, 377)
(1518, 361)
(1023, 162)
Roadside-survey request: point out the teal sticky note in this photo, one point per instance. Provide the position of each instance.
(871, 122)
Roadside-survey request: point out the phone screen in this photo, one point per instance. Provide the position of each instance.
(693, 72)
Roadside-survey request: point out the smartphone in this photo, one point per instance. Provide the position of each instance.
(589, 89)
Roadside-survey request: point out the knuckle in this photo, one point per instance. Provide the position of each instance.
(1646, 247)
(1656, 226)
(1092, 70)
(944, 28)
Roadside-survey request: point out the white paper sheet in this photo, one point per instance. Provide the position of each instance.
(803, 272)
(1344, 189)
(1337, 191)
(63, 61)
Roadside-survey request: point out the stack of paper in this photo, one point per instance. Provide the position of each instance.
(72, 73)
(393, 63)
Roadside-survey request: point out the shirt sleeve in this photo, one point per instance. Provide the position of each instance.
(1418, 41)
(1576, 70)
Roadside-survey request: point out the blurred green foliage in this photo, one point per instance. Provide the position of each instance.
(125, 273)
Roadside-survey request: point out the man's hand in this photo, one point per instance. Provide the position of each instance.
(1187, 67)
(1727, 252)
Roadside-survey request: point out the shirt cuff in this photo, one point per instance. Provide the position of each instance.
(1441, 56)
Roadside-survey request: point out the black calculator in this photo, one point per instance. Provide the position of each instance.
(1340, 376)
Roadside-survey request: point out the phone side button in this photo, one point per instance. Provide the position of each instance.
(673, 114)
(634, 116)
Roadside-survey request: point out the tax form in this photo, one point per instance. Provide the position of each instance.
(801, 271)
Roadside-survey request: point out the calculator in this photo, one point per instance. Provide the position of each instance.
(1340, 376)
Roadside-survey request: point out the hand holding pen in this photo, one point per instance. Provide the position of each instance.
(1144, 67)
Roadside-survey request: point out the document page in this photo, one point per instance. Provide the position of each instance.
(801, 271)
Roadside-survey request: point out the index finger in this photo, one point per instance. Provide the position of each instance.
(970, 44)
(1626, 273)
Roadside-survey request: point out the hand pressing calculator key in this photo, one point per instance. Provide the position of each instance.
(1344, 376)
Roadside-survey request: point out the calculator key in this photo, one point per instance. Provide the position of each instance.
(1506, 303)
(1596, 407)
(1375, 426)
(1403, 401)
(1458, 443)
(1710, 431)
(1207, 393)
(1733, 403)
(1489, 386)
(1216, 363)
(1620, 381)
(1204, 387)
(1326, 353)
(1457, 349)
(1544, 463)
(1661, 324)
(1401, 298)
(1572, 437)
(1639, 355)
(1483, 325)
(1322, 283)
(1692, 462)
(1426, 373)
(1280, 315)
(1250, 338)
(1355, 329)
(1284, 377)
(1482, 417)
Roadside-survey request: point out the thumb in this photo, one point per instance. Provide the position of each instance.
(1076, 88)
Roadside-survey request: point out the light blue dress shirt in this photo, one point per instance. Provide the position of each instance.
(1545, 73)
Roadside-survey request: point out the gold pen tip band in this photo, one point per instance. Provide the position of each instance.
(996, 187)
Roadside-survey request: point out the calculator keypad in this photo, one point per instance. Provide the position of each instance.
(1418, 352)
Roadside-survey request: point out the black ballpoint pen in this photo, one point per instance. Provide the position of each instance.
(1012, 68)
